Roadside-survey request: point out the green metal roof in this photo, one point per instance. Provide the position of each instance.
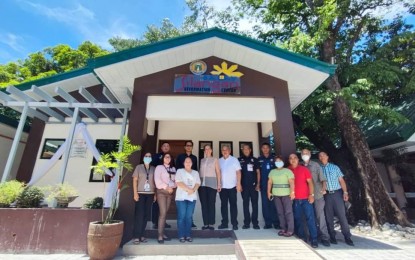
(178, 41)
(379, 136)
(215, 32)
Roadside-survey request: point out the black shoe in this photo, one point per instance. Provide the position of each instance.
(256, 227)
(325, 242)
(333, 240)
(235, 227)
(314, 244)
(349, 241)
(277, 226)
(222, 226)
(167, 226)
(211, 228)
(245, 227)
(267, 226)
(193, 225)
(205, 227)
(160, 241)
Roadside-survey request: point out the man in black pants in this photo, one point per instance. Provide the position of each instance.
(334, 198)
(250, 186)
(157, 160)
(231, 184)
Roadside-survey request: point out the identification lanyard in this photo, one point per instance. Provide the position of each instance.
(146, 184)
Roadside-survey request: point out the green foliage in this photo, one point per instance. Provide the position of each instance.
(94, 203)
(60, 190)
(30, 197)
(118, 160)
(9, 191)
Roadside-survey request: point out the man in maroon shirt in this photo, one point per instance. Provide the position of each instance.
(304, 198)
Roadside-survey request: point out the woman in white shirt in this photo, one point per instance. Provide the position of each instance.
(187, 181)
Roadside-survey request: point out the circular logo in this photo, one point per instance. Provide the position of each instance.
(198, 67)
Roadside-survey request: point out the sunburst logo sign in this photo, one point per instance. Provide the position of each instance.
(223, 70)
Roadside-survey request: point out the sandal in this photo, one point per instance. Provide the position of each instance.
(136, 241)
(282, 232)
(189, 239)
(182, 240)
(143, 240)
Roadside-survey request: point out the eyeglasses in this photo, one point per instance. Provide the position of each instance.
(189, 145)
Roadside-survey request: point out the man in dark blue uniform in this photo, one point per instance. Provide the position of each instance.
(155, 161)
(266, 164)
(250, 180)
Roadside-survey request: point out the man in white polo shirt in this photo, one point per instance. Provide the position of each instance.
(231, 184)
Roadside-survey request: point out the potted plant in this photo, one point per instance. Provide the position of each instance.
(104, 237)
(63, 193)
(9, 191)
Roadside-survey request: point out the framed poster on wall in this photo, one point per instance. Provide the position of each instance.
(223, 143)
(242, 143)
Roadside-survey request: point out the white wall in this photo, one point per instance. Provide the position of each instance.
(7, 134)
(78, 170)
(211, 131)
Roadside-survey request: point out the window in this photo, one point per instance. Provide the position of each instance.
(103, 146)
(50, 147)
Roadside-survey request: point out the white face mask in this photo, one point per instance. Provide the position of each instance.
(147, 160)
(279, 164)
(305, 157)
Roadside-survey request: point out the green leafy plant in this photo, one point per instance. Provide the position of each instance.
(64, 193)
(94, 203)
(9, 191)
(30, 197)
(118, 161)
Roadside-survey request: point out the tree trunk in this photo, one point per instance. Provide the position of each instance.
(397, 186)
(380, 206)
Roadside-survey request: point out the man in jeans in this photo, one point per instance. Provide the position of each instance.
(319, 182)
(231, 184)
(304, 199)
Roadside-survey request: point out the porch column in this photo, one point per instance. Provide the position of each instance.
(283, 128)
(137, 132)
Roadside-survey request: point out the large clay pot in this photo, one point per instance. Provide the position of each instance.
(104, 239)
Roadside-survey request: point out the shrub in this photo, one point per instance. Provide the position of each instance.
(9, 191)
(61, 190)
(95, 203)
(30, 198)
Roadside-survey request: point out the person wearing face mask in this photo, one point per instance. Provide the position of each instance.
(144, 196)
(281, 192)
(319, 182)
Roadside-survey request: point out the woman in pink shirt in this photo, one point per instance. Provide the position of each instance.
(164, 177)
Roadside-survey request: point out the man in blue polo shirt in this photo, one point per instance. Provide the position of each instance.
(266, 164)
(250, 186)
(335, 197)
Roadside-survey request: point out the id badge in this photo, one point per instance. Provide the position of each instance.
(268, 167)
(171, 183)
(250, 167)
(146, 186)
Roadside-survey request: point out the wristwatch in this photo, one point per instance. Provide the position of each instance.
(345, 192)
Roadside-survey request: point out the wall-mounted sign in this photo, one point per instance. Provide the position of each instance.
(207, 84)
(198, 67)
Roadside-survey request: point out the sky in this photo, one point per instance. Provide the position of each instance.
(27, 26)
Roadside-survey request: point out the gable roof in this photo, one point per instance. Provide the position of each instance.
(117, 71)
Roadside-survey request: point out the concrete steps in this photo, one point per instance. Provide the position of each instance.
(199, 246)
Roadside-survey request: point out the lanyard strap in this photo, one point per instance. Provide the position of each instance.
(147, 171)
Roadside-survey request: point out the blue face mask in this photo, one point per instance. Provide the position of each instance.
(279, 164)
(147, 160)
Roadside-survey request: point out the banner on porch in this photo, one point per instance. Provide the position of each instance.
(207, 84)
